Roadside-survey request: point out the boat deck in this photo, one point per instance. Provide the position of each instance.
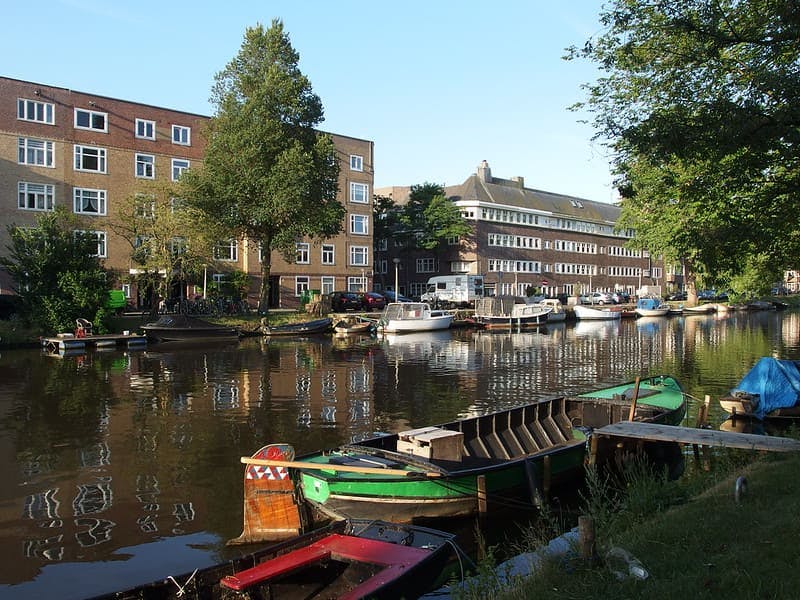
(698, 437)
(54, 345)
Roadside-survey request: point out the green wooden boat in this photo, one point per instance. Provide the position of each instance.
(461, 467)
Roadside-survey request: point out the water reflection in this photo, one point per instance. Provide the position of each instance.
(109, 452)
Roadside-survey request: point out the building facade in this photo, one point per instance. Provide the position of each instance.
(523, 240)
(90, 152)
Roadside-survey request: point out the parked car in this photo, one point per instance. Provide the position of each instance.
(621, 297)
(344, 301)
(597, 298)
(391, 297)
(677, 296)
(373, 301)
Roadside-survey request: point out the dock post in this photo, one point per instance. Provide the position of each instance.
(593, 450)
(586, 539)
(482, 494)
(634, 399)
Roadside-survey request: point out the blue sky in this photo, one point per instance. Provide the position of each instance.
(438, 85)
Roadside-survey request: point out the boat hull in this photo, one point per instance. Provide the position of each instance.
(430, 324)
(585, 313)
(180, 328)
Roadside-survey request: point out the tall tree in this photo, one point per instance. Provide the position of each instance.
(700, 106)
(57, 272)
(268, 175)
(428, 219)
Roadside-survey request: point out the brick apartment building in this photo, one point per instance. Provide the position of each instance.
(557, 244)
(89, 152)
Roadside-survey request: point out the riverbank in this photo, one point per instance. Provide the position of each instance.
(693, 541)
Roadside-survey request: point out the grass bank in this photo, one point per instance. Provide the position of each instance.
(692, 536)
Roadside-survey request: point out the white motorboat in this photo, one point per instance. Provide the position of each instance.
(399, 317)
(506, 312)
(595, 313)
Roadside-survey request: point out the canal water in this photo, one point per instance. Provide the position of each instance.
(122, 467)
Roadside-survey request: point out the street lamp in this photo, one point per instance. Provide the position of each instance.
(396, 277)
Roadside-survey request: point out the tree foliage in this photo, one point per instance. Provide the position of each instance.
(426, 221)
(57, 272)
(268, 175)
(699, 103)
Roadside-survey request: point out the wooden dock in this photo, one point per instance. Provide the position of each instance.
(72, 344)
(697, 437)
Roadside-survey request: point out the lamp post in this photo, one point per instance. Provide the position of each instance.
(396, 277)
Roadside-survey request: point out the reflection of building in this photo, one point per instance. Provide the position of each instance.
(91, 153)
(524, 238)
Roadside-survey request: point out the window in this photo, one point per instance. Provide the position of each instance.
(145, 166)
(356, 162)
(126, 289)
(328, 284)
(356, 284)
(89, 158)
(382, 266)
(453, 240)
(359, 224)
(359, 256)
(35, 196)
(145, 206)
(383, 245)
(426, 265)
(181, 135)
(359, 192)
(90, 119)
(459, 266)
(145, 130)
(227, 250)
(34, 110)
(35, 152)
(300, 285)
(177, 246)
(179, 165)
(100, 236)
(90, 202)
(328, 254)
(303, 251)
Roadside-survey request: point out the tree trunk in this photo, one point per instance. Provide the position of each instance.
(690, 284)
(266, 269)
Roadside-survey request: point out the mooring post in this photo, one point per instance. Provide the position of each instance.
(481, 495)
(634, 399)
(586, 539)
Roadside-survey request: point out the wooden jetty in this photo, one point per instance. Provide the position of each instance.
(71, 343)
(695, 436)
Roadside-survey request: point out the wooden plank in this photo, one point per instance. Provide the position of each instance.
(320, 466)
(701, 437)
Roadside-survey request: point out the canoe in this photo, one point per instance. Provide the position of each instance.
(436, 472)
(304, 328)
(347, 559)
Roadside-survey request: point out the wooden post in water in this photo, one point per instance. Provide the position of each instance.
(586, 539)
(634, 399)
(481, 495)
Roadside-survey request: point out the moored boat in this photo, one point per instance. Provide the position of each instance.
(353, 325)
(183, 328)
(436, 472)
(557, 312)
(592, 313)
(399, 317)
(770, 390)
(303, 328)
(651, 306)
(347, 559)
(700, 309)
(505, 312)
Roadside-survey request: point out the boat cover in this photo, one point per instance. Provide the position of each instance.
(775, 382)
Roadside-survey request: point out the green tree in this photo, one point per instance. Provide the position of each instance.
(268, 175)
(57, 272)
(699, 106)
(429, 219)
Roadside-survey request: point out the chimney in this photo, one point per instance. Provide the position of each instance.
(484, 172)
(520, 181)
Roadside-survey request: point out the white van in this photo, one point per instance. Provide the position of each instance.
(461, 290)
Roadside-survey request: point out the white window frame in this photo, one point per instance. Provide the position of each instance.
(36, 111)
(328, 284)
(356, 191)
(302, 283)
(358, 252)
(231, 248)
(356, 284)
(83, 153)
(181, 135)
(302, 253)
(126, 289)
(359, 224)
(426, 264)
(383, 245)
(91, 116)
(145, 129)
(81, 194)
(42, 194)
(35, 152)
(179, 165)
(145, 166)
(328, 254)
(356, 162)
(145, 206)
(102, 242)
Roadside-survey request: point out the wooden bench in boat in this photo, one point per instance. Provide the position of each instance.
(395, 559)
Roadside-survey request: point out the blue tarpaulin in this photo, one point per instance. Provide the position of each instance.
(775, 382)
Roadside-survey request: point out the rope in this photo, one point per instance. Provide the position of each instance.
(182, 588)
